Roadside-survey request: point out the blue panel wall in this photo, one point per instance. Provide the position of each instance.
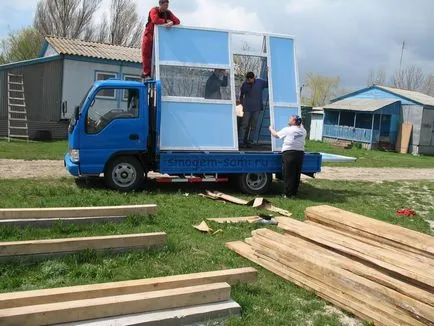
(196, 125)
(379, 94)
(281, 117)
(194, 46)
(283, 72)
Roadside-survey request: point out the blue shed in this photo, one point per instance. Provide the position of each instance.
(373, 116)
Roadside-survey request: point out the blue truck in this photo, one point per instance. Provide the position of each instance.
(126, 129)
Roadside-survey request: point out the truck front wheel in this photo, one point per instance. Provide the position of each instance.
(124, 174)
(255, 183)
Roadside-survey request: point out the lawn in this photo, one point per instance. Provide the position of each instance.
(269, 301)
(56, 149)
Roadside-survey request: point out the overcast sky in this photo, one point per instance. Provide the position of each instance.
(344, 38)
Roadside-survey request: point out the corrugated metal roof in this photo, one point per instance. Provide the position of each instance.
(357, 104)
(94, 49)
(411, 95)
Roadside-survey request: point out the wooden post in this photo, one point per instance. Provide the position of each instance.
(379, 129)
(355, 117)
(372, 130)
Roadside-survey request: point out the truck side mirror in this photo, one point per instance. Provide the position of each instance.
(77, 113)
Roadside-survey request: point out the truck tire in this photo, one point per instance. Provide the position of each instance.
(255, 183)
(125, 174)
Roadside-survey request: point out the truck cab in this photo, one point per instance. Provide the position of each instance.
(125, 129)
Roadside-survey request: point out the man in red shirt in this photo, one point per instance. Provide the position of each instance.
(160, 15)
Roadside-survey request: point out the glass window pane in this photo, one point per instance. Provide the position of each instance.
(248, 43)
(130, 78)
(107, 93)
(103, 111)
(331, 118)
(247, 63)
(205, 83)
(364, 121)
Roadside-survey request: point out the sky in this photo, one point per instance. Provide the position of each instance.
(345, 38)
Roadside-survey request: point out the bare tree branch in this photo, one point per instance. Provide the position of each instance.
(376, 77)
(124, 26)
(321, 89)
(410, 78)
(66, 18)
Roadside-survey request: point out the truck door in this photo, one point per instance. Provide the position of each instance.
(116, 122)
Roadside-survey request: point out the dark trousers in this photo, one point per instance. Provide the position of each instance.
(291, 169)
(248, 126)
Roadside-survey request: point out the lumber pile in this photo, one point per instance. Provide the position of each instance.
(47, 217)
(381, 273)
(16, 249)
(201, 291)
(341, 144)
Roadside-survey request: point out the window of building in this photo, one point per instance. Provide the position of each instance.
(193, 82)
(364, 121)
(347, 119)
(331, 118)
(106, 93)
(103, 110)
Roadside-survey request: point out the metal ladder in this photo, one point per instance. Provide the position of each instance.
(17, 112)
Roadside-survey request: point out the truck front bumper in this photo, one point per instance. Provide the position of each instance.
(71, 167)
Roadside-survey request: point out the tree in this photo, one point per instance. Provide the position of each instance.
(321, 89)
(410, 78)
(124, 26)
(66, 18)
(377, 77)
(428, 86)
(21, 45)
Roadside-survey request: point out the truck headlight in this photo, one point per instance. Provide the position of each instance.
(74, 154)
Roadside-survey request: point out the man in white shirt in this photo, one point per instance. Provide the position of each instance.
(294, 138)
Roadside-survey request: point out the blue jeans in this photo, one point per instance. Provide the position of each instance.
(248, 126)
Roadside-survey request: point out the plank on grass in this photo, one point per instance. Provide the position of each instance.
(17, 213)
(381, 231)
(395, 263)
(17, 248)
(50, 222)
(83, 292)
(337, 298)
(247, 219)
(71, 311)
(308, 261)
(195, 315)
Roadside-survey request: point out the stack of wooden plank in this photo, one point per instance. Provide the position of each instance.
(341, 144)
(89, 303)
(380, 272)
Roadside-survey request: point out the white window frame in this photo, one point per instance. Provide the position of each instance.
(107, 73)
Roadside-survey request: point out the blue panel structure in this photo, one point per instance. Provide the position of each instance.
(281, 117)
(283, 72)
(347, 133)
(196, 126)
(375, 93)
(193, 46)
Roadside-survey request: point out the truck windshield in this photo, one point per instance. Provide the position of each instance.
(73, 121)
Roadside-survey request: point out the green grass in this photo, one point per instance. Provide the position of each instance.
(17, 149)
(269, 301)
(374, 158)
(55, 151)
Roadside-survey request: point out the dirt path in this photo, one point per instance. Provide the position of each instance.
(19, 169)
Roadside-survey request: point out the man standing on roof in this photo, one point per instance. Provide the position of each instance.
(160, 15)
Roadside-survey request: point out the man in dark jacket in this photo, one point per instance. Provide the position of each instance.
(251, 100)
(215, 81)
(160, 15)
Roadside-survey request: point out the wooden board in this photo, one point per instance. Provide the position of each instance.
(307, 260)
(32, 247)
(410, 255)
(50, 222)
(207, 314)
(71, 311)
(390, 234)
(17, 213)
(404, 137)
(339, 299)
(247, 219)
(410, 270)
(83, 292)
